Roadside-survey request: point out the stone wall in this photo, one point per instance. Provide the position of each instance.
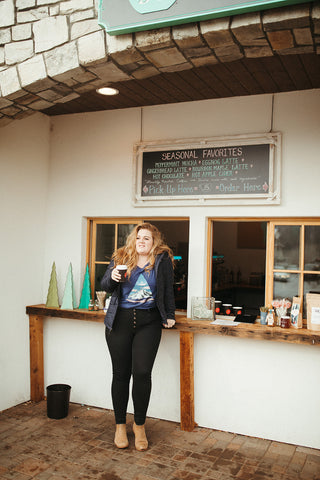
(53, 51)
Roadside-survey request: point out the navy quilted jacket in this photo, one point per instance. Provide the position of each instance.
(165, 295)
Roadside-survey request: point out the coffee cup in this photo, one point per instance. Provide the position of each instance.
(217, 306)
(226, 308)
(237, 310)
(122, 269)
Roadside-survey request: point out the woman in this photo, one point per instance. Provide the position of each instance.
(138, 308)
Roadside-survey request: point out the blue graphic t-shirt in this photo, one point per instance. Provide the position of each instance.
(140, 291)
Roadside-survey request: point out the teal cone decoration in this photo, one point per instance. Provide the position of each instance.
(52, 297)
(68, 301)
(86, 291)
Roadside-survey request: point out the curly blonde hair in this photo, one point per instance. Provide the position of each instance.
(128, 255)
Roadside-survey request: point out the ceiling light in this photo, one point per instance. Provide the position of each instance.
(107, 91)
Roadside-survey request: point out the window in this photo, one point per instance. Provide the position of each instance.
(252, 262)
(294, 263)
(238, 263)
(107, 234)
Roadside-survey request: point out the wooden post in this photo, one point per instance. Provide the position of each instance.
(36, 358)
(186, 381)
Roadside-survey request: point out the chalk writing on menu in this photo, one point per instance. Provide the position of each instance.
(229, 170)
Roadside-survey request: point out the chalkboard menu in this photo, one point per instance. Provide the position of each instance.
(209, 171)
(206, 171)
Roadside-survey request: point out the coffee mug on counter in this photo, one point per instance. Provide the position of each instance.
(217, 306)
(226, 308)
(237, 310)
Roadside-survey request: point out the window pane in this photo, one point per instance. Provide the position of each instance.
(100, 271)
(123, 232)
(311, 284)
(238, 264)
(312, 248)
(285, 285)
(286, 247)
(105, 242)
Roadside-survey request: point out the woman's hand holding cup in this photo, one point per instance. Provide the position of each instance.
(119, 273)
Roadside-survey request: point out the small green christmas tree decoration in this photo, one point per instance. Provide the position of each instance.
(52, 297)
(68, 301)
(86, 291)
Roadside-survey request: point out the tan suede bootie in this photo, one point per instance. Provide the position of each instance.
(141, 442)
(120, 438)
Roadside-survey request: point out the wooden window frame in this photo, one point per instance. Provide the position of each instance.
(92, 223)
(301, 271)
(271, 223)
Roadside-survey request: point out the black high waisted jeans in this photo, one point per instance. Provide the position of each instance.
(133, 344)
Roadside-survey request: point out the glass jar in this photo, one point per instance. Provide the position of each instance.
(270, 318)
(202, 308)
(285, 322)
(91, 305)
(96, 305)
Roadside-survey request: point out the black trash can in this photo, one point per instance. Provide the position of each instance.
(58, 397)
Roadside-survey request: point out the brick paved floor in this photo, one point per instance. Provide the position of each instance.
(32, 446)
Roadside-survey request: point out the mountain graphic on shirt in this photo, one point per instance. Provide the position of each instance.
(141, 292)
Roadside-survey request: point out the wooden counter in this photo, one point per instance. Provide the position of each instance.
(247, 330)
(187, 329)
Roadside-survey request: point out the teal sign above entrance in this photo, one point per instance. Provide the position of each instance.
(126, 16)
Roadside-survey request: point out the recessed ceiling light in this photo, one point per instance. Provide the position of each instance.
(107, 91)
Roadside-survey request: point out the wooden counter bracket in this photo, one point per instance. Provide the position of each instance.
(186, 381)
(36, 357)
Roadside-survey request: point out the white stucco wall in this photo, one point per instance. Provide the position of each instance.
(252, 387)
(24, 164)
(258, 388)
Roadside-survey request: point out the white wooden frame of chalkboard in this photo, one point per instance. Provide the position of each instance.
(270, 198)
